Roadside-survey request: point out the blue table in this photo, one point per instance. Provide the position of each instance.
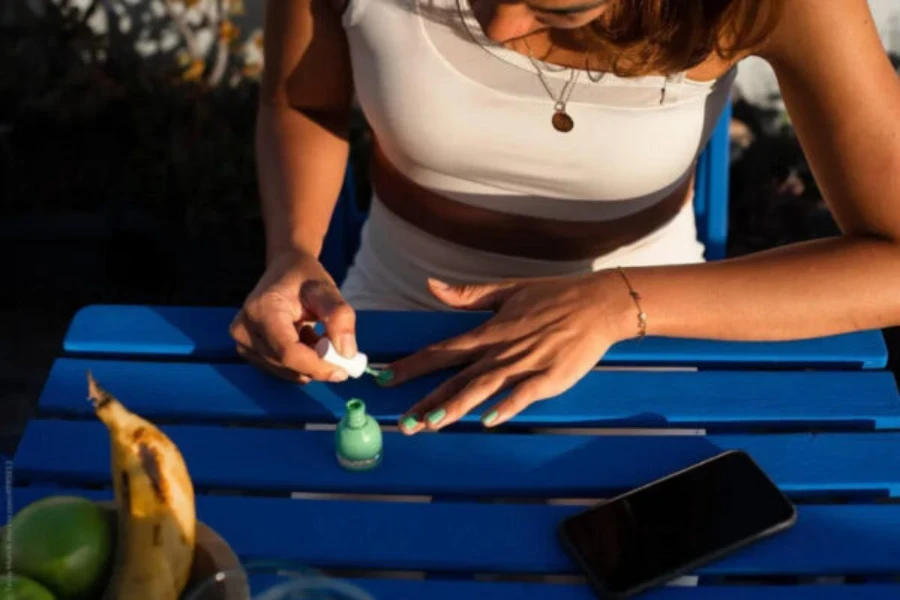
(821, 416)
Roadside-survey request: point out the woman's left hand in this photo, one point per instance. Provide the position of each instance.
(545, 335)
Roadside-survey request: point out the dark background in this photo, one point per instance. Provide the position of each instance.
(128, 179)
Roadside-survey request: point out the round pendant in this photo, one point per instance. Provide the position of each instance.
(562, 122)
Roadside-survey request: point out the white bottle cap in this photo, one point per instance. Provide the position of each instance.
(354, 367)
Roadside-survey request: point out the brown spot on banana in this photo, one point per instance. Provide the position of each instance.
(157, 535)
(150, 464)
(125, 499)
(137, 434)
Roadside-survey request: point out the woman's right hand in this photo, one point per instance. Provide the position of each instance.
(274, 328)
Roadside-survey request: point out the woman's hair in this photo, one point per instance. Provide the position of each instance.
(646, 36)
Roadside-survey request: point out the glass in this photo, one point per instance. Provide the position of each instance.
(273, 580)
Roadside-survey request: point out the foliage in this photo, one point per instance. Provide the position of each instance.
(97, 121)
(773, 198)
(146, 108)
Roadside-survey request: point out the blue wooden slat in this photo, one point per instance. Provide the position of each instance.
(463, 537)
(725, 399)
(465, 464)
(384, 335)
(436, 589)
(445, 590)
(432, 589)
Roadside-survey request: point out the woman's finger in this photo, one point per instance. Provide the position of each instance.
(324, 300)
(414, 419)
(269, 366)
(251, 343)
(472, 394)
(279, 332)
(452, 399)
(308, 335)
(442, 355)
(523, 395)
(240, 330)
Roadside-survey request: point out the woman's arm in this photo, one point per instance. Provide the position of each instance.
(301, 153)
(843, 97)
(302, 125)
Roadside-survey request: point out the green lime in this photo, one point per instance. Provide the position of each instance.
(63, 542)
(16, 587)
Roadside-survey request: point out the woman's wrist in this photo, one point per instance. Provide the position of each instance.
(290, 248)
(620, 310)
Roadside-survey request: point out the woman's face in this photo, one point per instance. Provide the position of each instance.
(504, 20)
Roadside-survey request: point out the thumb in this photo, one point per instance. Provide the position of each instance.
(472, 296)
(327, 306)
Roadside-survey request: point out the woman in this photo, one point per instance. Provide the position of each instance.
(535, 158)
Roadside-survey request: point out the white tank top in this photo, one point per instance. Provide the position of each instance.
(471, 120)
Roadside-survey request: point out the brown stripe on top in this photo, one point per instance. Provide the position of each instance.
(514, 234)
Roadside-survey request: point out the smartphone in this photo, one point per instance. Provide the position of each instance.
(665, 529)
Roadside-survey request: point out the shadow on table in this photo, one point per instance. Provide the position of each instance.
(204, 333)
(272, 399)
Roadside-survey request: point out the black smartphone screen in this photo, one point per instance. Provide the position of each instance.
(655, 532)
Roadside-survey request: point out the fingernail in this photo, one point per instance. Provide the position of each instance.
(338, 376)
(437, 416)
(409, 423)
(347, 345)
(441, 285)
(385, 377)
(490, 417)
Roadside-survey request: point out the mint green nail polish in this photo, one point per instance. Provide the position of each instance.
(490, 417)
(409, 423)
(437, 416)
(358, 438)
(385, 377)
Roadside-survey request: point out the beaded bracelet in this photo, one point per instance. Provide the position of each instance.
(642, 316)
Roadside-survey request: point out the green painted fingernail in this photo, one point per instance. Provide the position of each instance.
(409, 422)
(437, 416)
(490, 417)
(385, 377)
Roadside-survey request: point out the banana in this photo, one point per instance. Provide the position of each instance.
(157, 521)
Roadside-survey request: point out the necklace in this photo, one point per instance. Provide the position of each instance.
(561, 120)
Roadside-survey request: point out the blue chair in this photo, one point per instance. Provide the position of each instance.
(342, 239)
(710, 206)
(711, 194)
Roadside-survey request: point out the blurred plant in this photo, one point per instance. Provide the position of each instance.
(212, 49)
(143, 106)
(774, 198)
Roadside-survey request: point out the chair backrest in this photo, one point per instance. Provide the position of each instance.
(342, 239)
(711, 189)
(710, 206)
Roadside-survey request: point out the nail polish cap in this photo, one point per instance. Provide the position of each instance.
(354, 367)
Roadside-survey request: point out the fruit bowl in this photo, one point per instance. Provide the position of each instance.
(212, 555)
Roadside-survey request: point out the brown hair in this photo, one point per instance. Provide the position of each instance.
(646, 36)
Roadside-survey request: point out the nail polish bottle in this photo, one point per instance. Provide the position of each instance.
(358, 438)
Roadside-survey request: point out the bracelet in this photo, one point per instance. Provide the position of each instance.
(642, 316)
